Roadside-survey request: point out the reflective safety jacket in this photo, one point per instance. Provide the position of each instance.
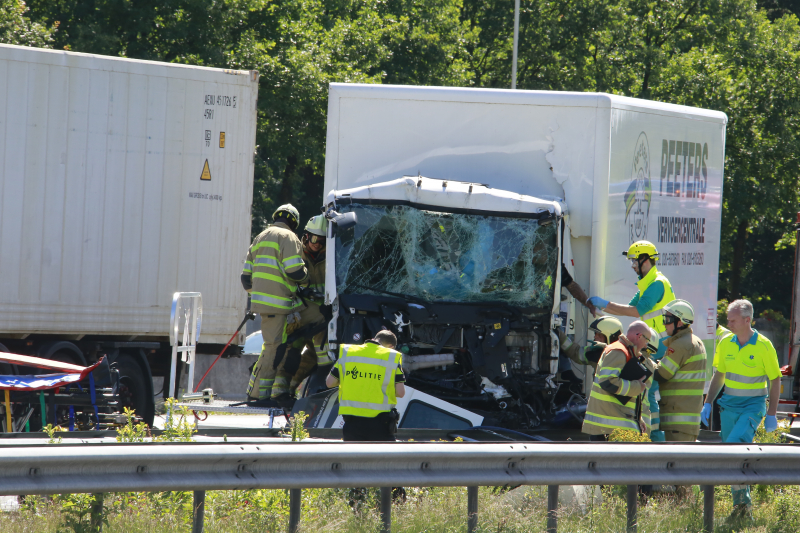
(748, 368)
(605, 412)
(681, 375)
(366, 379)
(654, 317)
(721, 334)
(576, 352)
(275, 252)
(316, 272)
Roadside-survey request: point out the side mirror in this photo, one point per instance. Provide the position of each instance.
(345, 220)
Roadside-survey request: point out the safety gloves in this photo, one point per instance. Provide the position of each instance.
(705, 414)
(771, 423)
(598, 302)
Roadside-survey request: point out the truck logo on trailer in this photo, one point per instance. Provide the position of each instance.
(637, 197)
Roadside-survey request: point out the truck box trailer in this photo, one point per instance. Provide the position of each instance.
(470, 200)
(122, 182)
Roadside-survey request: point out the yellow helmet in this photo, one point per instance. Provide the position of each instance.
(641, 248)
(317, 225)
(606, 325)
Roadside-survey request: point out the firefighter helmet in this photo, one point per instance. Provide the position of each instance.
(606, 325)
(682, 309)
(317, 225)
(287, 211)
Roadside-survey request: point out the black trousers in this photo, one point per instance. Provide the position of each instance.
(364, 429)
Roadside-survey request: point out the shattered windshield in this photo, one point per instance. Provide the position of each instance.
(445, 256)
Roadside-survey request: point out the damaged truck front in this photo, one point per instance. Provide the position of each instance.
(466, 277)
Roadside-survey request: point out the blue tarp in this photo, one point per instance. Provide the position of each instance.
(34, 383)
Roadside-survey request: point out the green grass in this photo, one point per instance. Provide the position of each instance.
(434, 510)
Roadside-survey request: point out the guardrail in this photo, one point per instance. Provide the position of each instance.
(97, 468)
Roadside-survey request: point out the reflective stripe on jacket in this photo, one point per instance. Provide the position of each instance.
(275, 252)
(605, 412)
(684, 369)
(366, 379)
(720, 334)
(748, 368)
(316, 272)
(654, 317)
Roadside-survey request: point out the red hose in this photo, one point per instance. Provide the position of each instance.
(217, 359)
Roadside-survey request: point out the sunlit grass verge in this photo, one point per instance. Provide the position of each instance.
(776, 510)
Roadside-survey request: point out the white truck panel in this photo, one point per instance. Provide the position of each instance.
(103, 212)
(576, 146)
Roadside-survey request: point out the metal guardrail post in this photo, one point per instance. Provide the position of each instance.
(633, 501)
(386, 509)
(552, 508)
(472, 509)
(708, 508)
(96, 517)
(199, 511)
(295, 498)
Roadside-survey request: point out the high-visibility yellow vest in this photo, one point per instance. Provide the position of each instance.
(653, 317)
(748, 368)
(721, 334)
(366, 379)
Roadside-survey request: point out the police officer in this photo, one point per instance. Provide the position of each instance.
(681, 374)
(613, 400)
(606, 329)
(370, 380)
(272, 270)
(748, 366)
(655, 291)
(314, 349)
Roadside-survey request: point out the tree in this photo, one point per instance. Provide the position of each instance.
(17, 28)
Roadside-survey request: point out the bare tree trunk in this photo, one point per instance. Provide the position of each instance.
(738, 260)
(286, 193)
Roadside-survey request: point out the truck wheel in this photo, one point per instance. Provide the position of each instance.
(133, 391)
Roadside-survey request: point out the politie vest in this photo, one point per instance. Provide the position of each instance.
(653, 317)
(366, 379)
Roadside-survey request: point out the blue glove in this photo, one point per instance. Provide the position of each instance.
(770, 423)
(598, 302)
(705, 414)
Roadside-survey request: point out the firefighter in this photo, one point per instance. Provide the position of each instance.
(748, 367)
(681, 374)
(370, 379)
(272, 270)
(613, 400)
(607, 330)
(314, 348)
(655, 291)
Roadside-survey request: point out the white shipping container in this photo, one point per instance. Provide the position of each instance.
(121, 182)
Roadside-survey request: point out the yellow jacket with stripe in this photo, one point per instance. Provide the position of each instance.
(605, 412)
(681, 375)
(275, 265)
(316, 271)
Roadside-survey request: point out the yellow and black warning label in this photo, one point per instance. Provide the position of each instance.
(222, 139)
(206, 174)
